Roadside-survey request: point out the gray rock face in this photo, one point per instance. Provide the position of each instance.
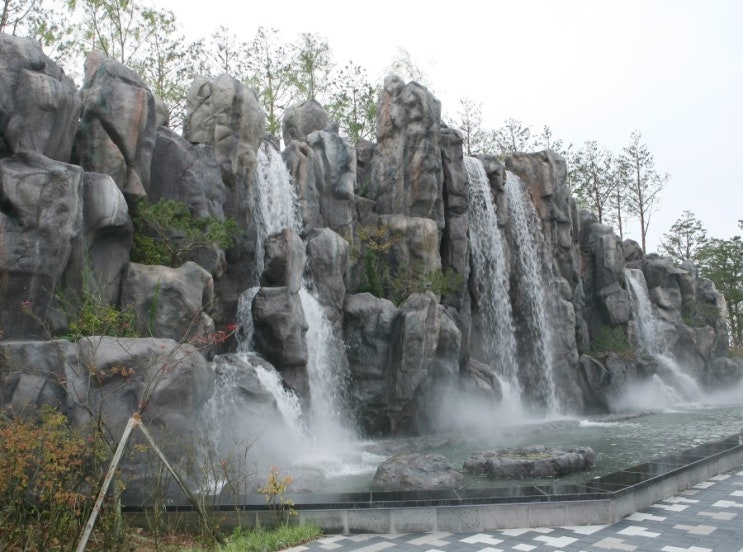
(327, 266)
(108, 234)
(41, 220)
(302, 119)
(424, 354)
(111, 378)
(416, 472)
(335, 175)
(407, 177)
(279, 335)
(186, 173)
(455, 247)
(284, 261)
(299, 158)
(118, 127)
(527, 462)
(368, 324)
(39, 104)
(226, 115)
(170, 302)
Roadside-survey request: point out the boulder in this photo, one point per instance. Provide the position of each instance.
(368, 324)
(334, 164)
(530, 462)
(118, 127)
(424, 354)
(170, 302)
(327, 266)
(279, 329)
(407, 178)
(41, 220)
(415, 471)
(284, 255)
(39, 104)
(186, 173)
(302, 119)
(300, 160)
(108, 235)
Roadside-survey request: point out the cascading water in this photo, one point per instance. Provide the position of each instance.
(490, 272)
(276, 204)
(672, 383)
(276, 209)
(531, 272)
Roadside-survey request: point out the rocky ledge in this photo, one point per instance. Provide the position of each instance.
(527, 462)
(416, 471)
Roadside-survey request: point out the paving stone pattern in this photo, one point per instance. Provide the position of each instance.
(706, 518)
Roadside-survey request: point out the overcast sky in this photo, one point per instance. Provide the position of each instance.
(591, 70)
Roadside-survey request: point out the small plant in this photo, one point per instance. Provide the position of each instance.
(273, 491)
(611, 340)
(166, 232)
(265, 540)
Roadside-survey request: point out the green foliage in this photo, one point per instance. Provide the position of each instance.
(165, 232)
(90, 314)
(722, 262)
(47, 476)
(399, 283)
(266, 540)
(353, 103)
(684, 239)
(611, 339)
(593, 178)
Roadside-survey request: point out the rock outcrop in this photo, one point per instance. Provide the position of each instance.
(415, 471)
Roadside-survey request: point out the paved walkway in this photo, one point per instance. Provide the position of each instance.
(706, 518)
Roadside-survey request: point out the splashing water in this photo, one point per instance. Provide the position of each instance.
(490, 271)
(674, 385)
(532, 273)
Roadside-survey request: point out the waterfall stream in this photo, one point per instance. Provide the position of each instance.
(532, 273)
(490, 275)
(674, 385)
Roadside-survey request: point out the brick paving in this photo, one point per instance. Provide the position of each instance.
(705, 518)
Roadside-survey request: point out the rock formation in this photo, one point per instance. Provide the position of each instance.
(391, 218)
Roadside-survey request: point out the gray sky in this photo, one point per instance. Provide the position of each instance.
(590, 69)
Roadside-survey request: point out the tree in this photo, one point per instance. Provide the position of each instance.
(353, 102)
(271, 65)
(684, 240)
(643, 183)
(470, 124)
(722, 262)
(404, 67)
(592, 178)
(512, 137)
(312, 67)
(222, 53)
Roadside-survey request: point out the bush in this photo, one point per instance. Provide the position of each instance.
(166, 232)
(611, 339)
(47, 481)
(265, 540)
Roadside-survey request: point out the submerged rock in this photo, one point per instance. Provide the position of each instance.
(526, 462)
(416, 471)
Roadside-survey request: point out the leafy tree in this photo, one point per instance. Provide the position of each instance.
(643, 183)
(313, 65)
(408, 70)
(165, 233)
(592, 178)
(512, 137)
(222, 53)
(271, 67)
(722, 262)
(684, 239)
(470, 123)
(353, 102)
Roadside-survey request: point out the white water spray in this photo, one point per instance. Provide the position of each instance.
(533, 273)
(490, 275)
(673, 384)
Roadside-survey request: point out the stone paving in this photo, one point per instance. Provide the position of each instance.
(706, 518)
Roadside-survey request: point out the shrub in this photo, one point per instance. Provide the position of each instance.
(273, 491)
(47, 481)
(166, 232)
(611, 339)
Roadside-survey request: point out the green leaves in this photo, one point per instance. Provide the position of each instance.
(166, 232)
(684, 239)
